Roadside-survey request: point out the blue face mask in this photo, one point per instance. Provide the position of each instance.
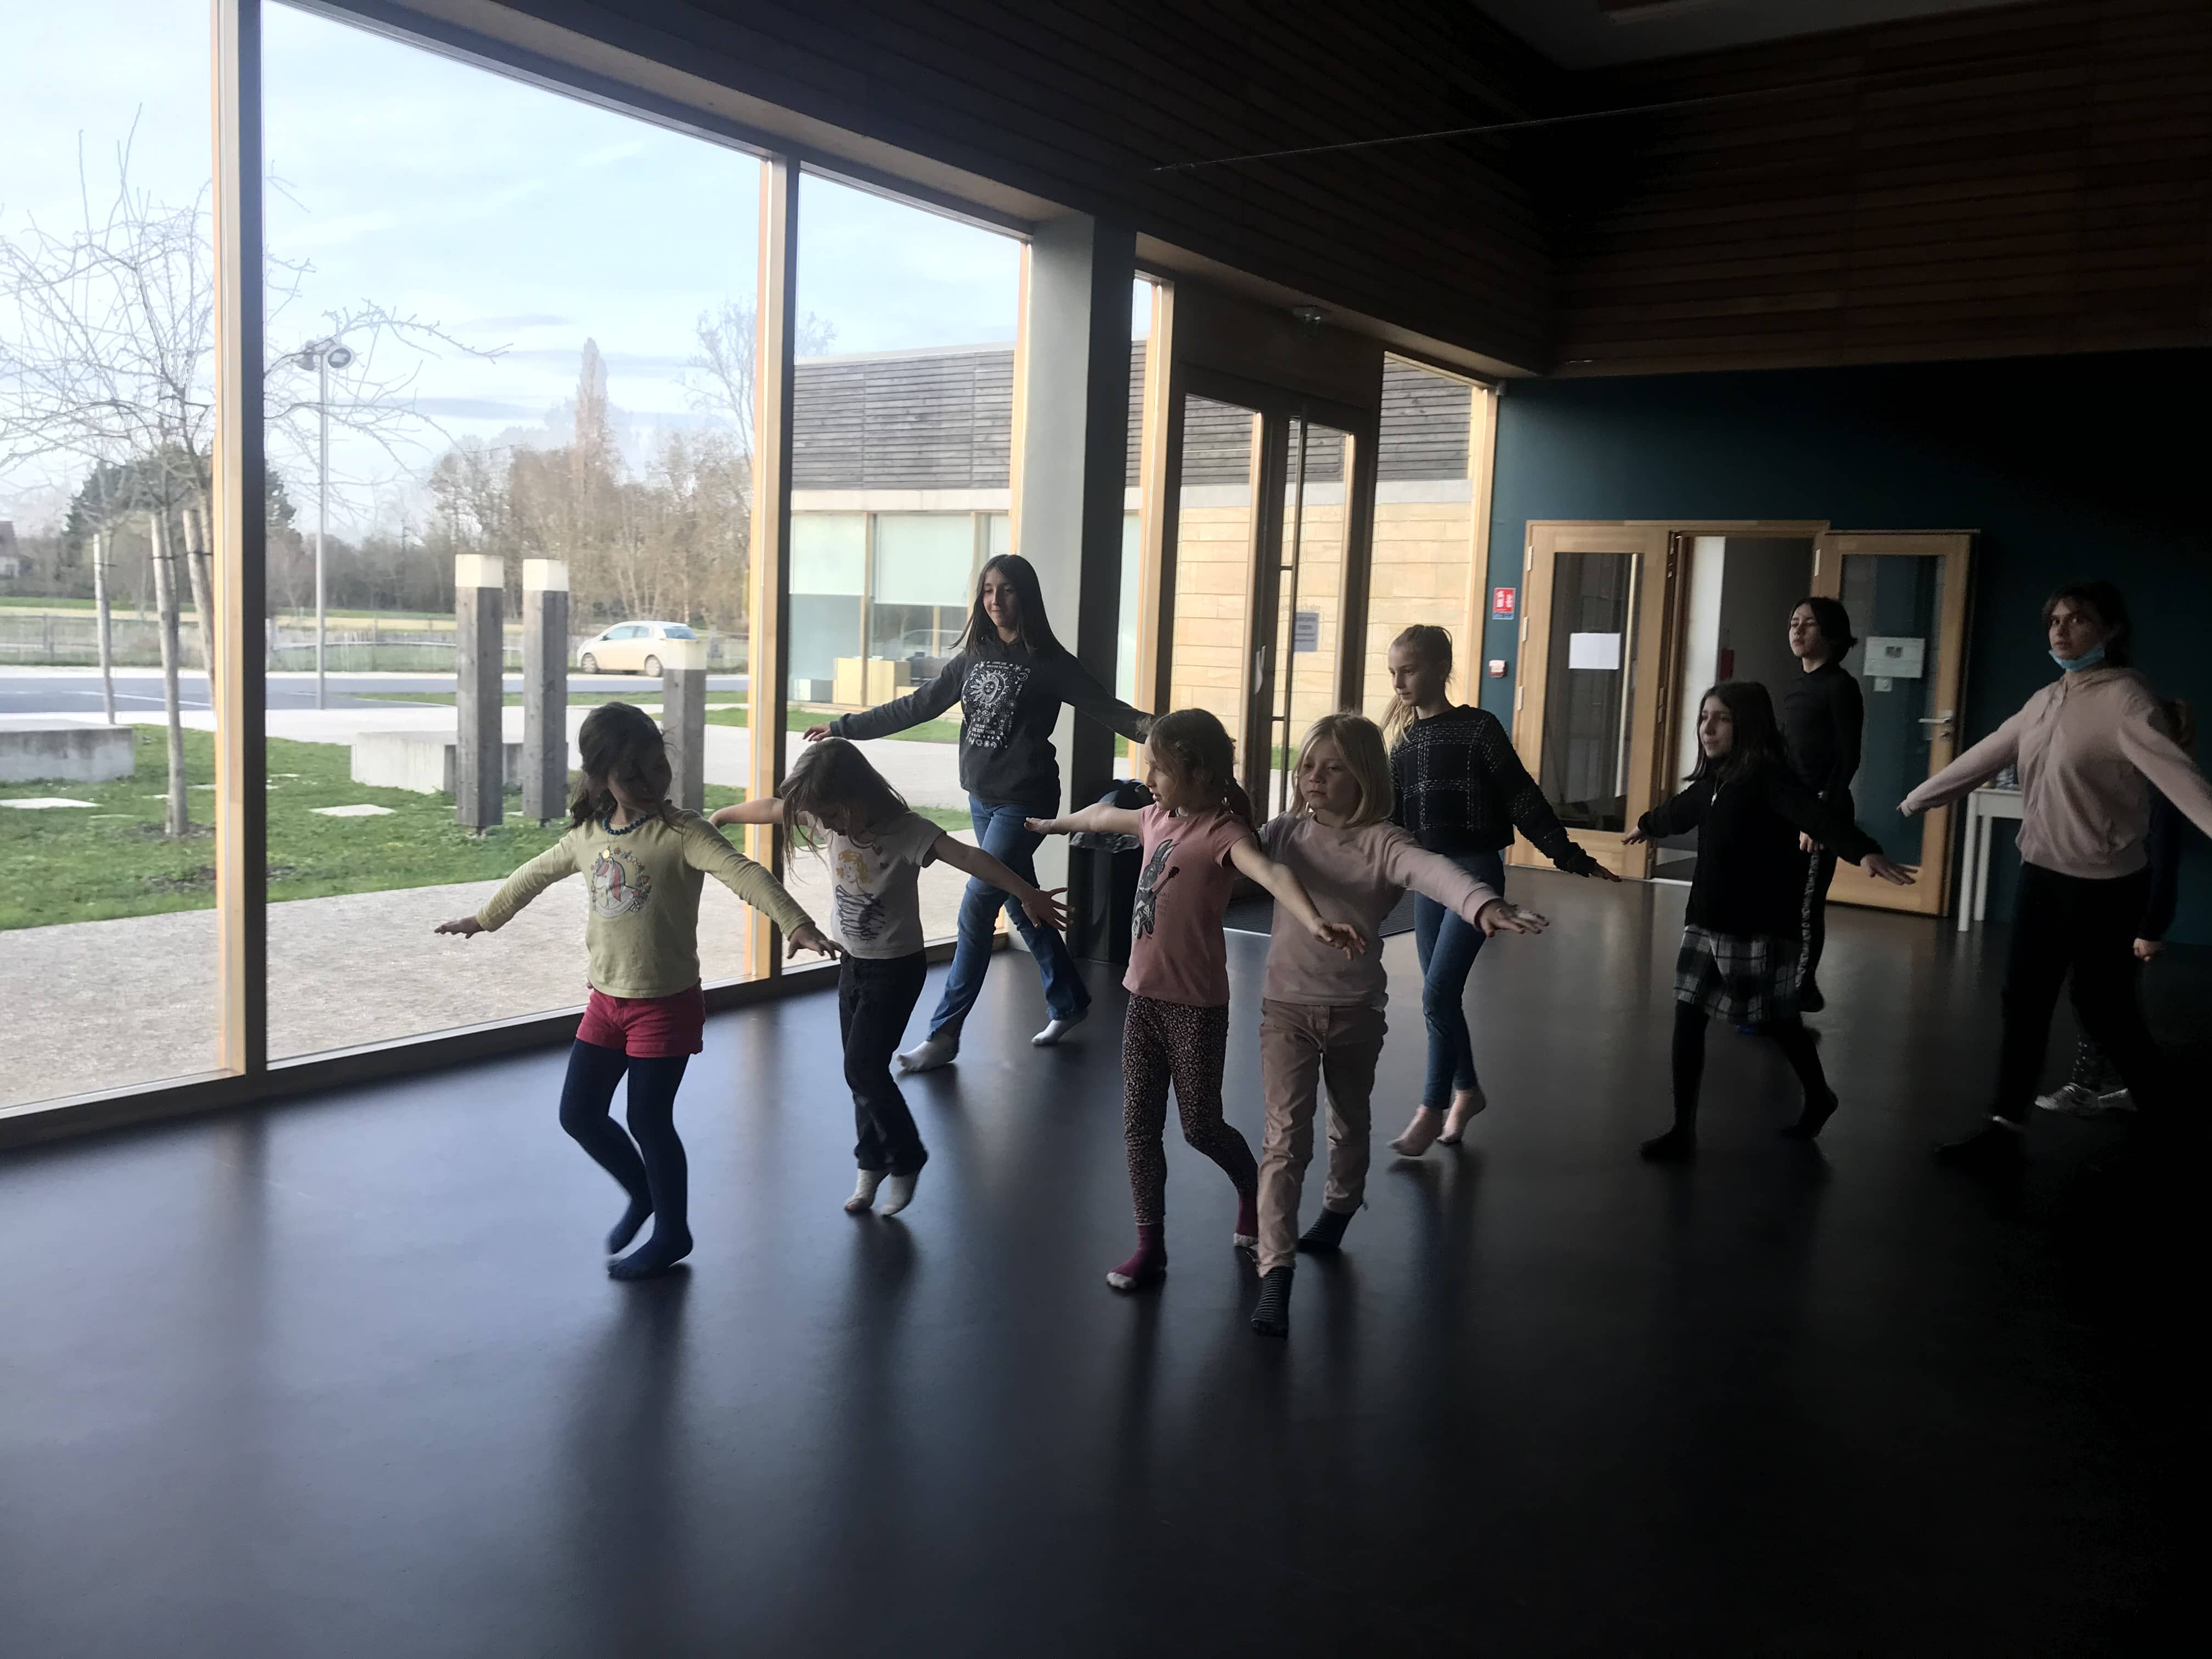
(2088, 659)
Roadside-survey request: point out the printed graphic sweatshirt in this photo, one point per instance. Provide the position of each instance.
(1010, 701)
(642, 931)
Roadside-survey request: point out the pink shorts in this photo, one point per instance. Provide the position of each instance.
(646, 1027)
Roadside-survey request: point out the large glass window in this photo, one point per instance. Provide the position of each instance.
(107, 444)
(1424, 529)
(1586, 732)
(526, 323)
(902, 432)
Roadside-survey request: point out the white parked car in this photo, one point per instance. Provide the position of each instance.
(632, 647)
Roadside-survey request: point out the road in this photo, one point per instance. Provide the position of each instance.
(76, 691)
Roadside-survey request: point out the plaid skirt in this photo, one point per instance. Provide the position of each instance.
(1745, 982)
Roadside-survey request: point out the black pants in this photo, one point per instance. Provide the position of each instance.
(1813, 917)
(875, 999)
(2067, 925)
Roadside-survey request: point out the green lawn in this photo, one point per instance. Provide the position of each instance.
(68, 864)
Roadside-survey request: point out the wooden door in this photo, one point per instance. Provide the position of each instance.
(1589, 714)
(1907, 595)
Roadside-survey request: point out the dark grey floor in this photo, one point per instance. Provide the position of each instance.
(347, 1379)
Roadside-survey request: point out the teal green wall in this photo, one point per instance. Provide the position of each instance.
(2068, 466)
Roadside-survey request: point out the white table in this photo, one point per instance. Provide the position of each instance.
(1983, 808)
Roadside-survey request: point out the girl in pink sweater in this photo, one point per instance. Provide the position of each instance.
(1196, 841)
(1320, 1015)
(2091, 746)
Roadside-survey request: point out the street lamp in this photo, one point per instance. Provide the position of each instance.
(322, 356)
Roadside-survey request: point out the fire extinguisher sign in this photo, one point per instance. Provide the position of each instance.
(1501, 604)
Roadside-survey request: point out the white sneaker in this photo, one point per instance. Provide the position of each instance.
(1056, 1029)
(928, 1056)
(864, 1192)
(898, 1192)
(2075, 1100)
(2116, 1100)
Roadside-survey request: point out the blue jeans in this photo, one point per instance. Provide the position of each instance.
(1000, 832)
(1448, 944)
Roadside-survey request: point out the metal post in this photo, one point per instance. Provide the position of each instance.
(683, 721)
(322, 504)
(544, 689)
(480, 682)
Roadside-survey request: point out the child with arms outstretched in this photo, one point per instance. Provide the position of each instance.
(1321, 1018)
(646, 861)
(876, 847)
(1743, 932)
(1194, 844)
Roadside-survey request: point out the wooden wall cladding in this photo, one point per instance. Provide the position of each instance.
(1077, 102)
(2021, 180)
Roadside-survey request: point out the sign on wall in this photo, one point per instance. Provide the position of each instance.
(1305, 630)
(1501, 604)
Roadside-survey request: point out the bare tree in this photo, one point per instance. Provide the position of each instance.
(106, 347)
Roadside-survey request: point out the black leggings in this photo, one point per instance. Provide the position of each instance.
(2070, 927)
(652, 1168)
(1690, 1023)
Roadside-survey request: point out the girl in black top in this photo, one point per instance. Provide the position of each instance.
(1461, 791)
(1823, 718)
(1739, 948)
(1010, 678)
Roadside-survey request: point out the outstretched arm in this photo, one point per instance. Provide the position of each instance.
(1525, 804)
(1283, 884)
(766, 809)
(1041, 908)
(1436, 877)
(1787, 794)
(925, 703)
(525, 884)
(1101, 818)
(1075, 687)
(1978, 765)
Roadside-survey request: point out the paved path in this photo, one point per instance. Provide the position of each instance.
(35, 690)
(98, 1005)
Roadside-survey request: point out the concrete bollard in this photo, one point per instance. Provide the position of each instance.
(480, 684)
(683, 720)
(544, 690)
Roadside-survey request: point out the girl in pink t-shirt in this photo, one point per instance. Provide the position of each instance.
(1195, 844)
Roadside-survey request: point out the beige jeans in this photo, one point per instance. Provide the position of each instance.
(1302, 1047)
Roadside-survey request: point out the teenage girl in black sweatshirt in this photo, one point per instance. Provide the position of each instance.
(1010, 678)
(1823, 722)
(1740, 948)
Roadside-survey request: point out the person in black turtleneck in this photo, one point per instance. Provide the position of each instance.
(1739, 941)
(1823, 717)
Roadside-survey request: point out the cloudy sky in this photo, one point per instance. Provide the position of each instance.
(516, 221)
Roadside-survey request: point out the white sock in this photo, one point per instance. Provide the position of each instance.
(898, 1192)
(1056, 1029)
(930, 1053)
(864, 1191)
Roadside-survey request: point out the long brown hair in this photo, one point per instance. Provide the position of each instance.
(1032, 626)
(1433, 645)
(1196, 747)
(1758, 739)
(834, 773)
(619, 741)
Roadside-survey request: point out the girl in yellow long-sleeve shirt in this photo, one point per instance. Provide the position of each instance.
(646, 861)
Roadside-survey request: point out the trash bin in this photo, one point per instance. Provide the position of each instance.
(1102, 884)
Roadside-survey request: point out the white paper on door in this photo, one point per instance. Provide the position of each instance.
(1600, 651)
(1893, 657)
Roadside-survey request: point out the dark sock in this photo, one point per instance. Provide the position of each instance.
(586, 1095)
(1818, 1110)
(1688, 1063)
(1272, 1316)
(1327, 1233)
(641, 1207)
(1150, 1263)
(652, 1086)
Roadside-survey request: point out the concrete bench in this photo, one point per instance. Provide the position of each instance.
(423, 762)
(65, 752)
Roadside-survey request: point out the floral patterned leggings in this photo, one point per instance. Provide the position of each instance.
(1166, 1042)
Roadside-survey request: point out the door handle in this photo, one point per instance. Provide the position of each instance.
(1943, 719)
